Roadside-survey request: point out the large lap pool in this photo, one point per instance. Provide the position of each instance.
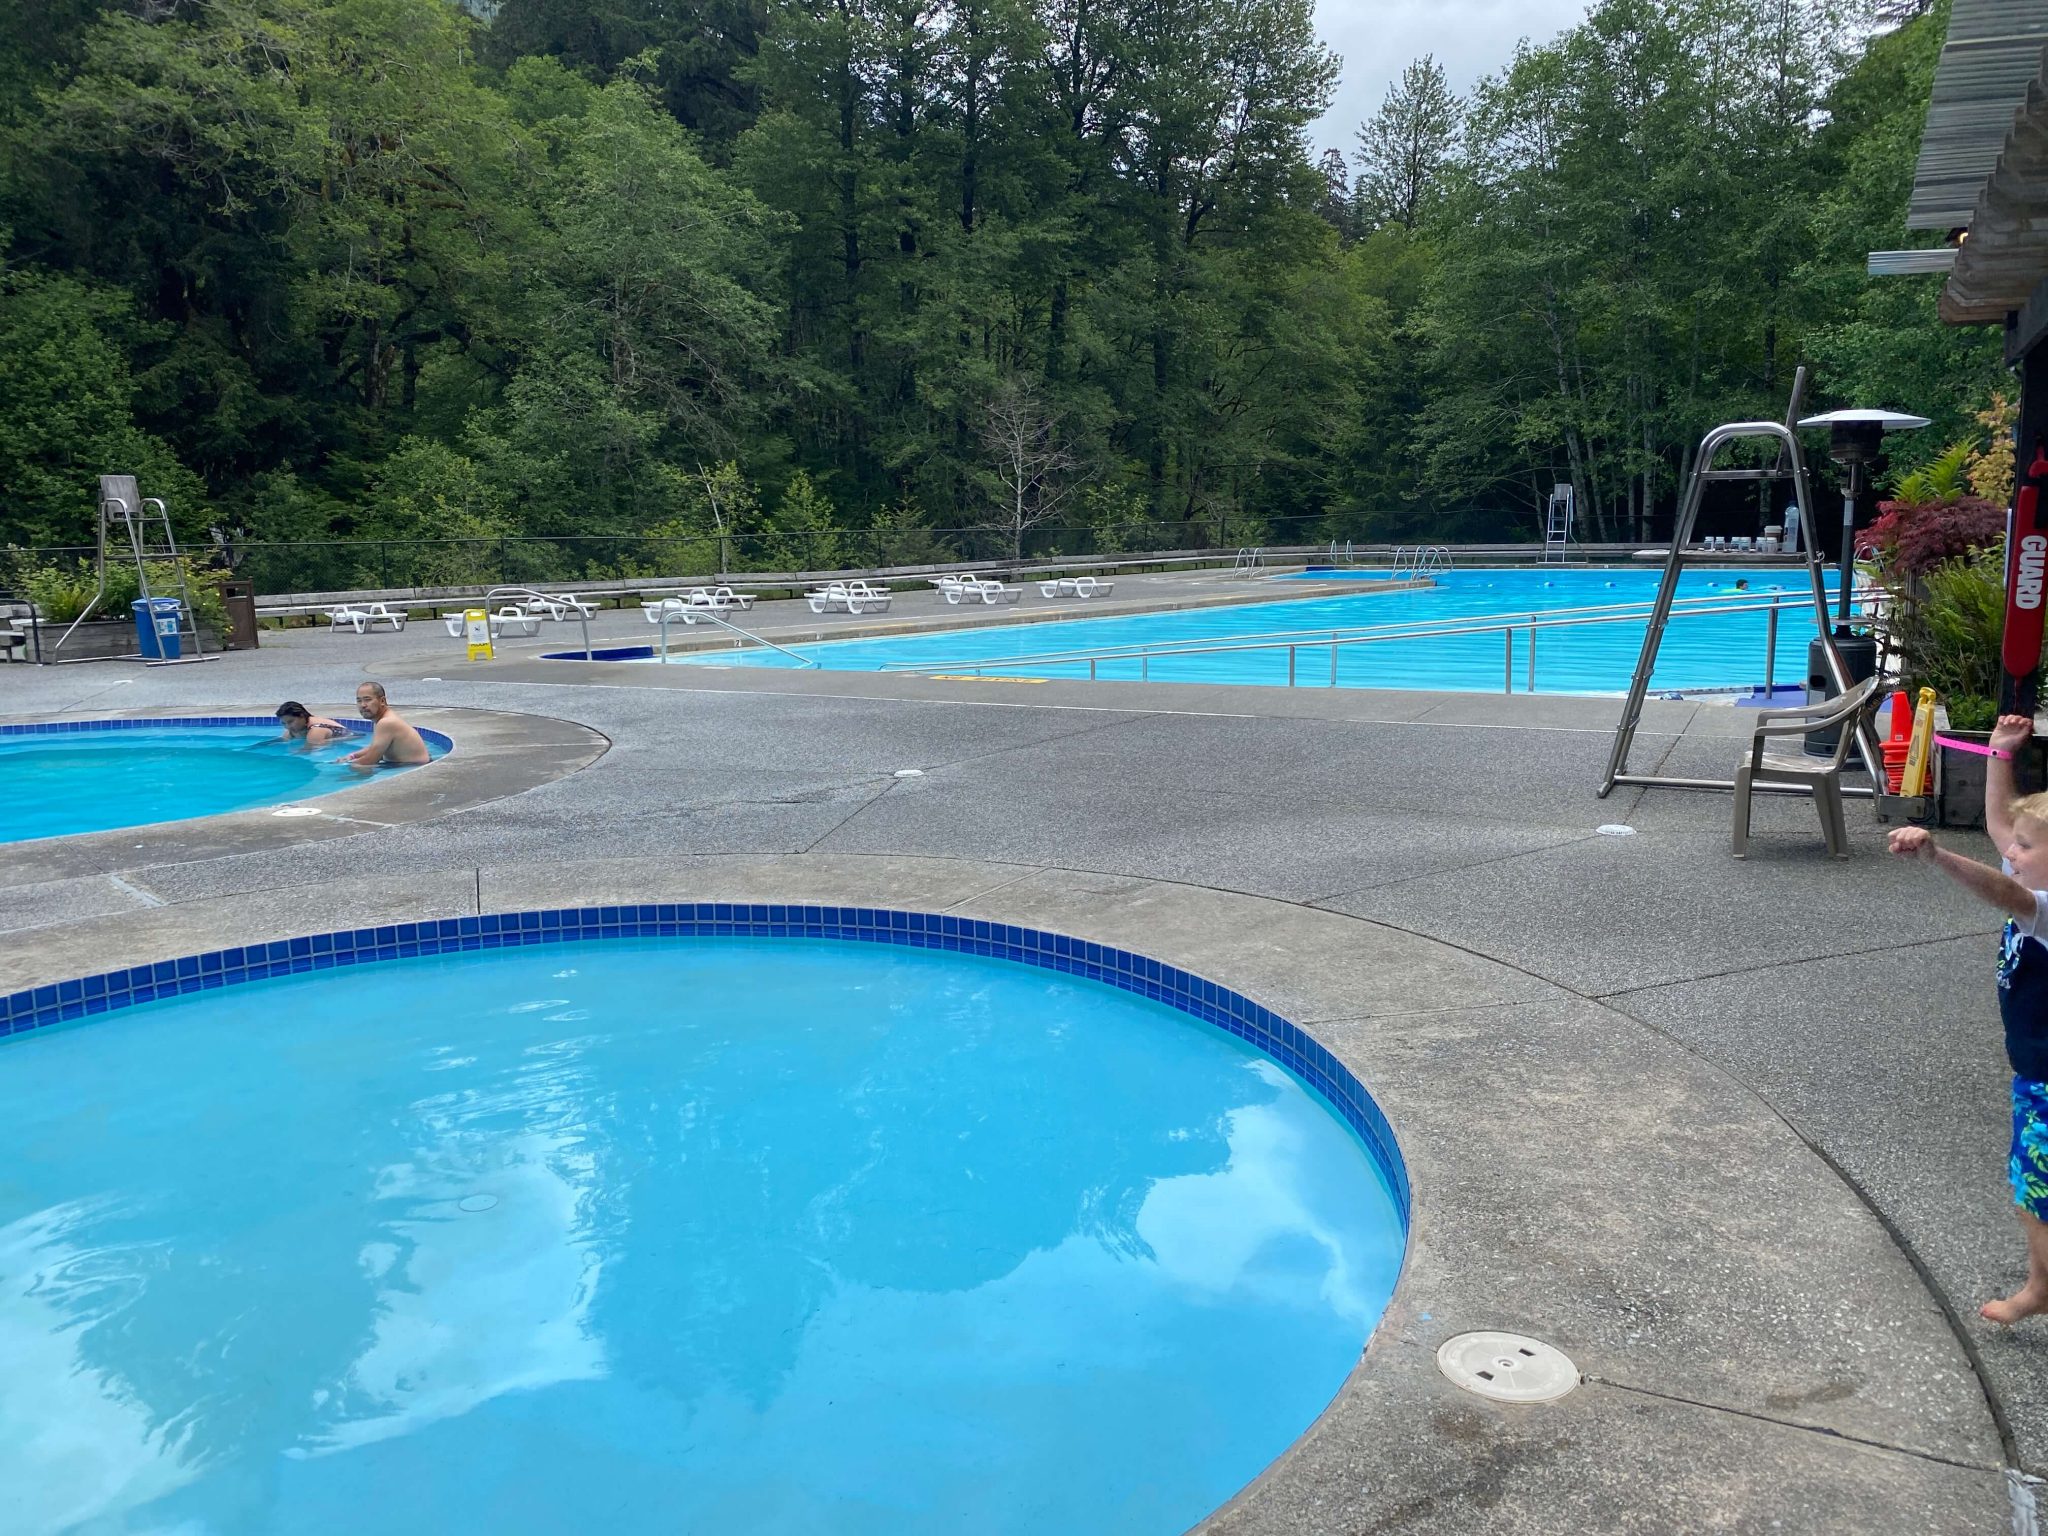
(1704, 651)
(701, 1234)
(93, 776)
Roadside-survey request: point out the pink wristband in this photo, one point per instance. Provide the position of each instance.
(1971, 746)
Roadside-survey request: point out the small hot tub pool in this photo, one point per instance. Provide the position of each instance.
(662, 1219)
(96, 775)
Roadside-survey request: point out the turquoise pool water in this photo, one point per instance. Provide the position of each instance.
(54, 783)
(1706, 651)
(711, 1235)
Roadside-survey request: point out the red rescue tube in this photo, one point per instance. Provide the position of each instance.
(2028, 575)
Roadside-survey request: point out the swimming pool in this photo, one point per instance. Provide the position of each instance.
(1703, 651)
(97, 775)
(801, 1233)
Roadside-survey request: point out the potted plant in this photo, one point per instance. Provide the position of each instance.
(65, 591)
(1939, 547)
(1952, 636)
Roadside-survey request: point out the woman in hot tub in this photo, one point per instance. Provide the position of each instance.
(303, 728)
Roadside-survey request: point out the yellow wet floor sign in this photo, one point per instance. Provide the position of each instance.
(476, 624)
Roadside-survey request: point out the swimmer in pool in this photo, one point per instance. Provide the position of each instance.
(393, 743)
(303, 728)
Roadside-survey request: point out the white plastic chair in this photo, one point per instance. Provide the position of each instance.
(1822, 775)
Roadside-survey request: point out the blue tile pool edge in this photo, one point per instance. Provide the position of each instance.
(191, 722)
(1265, 1031)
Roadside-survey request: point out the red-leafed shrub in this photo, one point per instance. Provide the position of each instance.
(1910, 539)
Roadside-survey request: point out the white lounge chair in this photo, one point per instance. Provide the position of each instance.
(674, 608)
(830, 596)
(977, 589)
(993, 592)
(506, 621)
(362, 620)
(1076, 586)
(559, 608)
(511, 621)
(849, 596)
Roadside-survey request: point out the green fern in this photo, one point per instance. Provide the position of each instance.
(1942, 481)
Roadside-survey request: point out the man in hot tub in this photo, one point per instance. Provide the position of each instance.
(393, 744)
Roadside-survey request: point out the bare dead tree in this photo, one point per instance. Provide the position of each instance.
(1038, 471)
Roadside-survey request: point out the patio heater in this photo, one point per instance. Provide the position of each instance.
(1855, 440)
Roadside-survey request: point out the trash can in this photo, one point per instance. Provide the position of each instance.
(239, 597)
(1859, 657)
(157, 631)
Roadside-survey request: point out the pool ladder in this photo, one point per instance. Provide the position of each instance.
(1419, 560)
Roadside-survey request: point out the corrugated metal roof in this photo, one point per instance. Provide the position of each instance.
(1994, 49)
(2005, 257)
(1910, 263)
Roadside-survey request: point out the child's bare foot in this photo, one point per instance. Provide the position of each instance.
(2027, 1301)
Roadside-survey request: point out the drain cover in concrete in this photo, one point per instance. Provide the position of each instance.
(1507, 1367)
(293, 810)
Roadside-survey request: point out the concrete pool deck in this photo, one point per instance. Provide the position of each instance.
(1730, 1134)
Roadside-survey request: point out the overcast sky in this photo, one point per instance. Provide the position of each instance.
(1377, 39)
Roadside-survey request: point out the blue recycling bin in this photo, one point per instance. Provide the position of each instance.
(157, 631)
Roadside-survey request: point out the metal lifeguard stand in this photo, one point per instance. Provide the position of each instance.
(1558, 517)
(1790, 465)
(144, 528)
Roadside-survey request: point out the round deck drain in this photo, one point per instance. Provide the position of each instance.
(909, 773)
(1615, 829)
(1507, 1367)
(292, 810)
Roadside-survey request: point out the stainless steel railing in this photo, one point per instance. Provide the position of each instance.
(671, 609)
(528, 597)
(1507, 625)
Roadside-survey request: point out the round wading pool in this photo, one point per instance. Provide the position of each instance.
(96, 775)
(691, 1229)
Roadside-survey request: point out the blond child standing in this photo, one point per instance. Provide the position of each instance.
(2019, 828)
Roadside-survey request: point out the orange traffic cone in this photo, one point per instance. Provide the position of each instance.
(1899, 743)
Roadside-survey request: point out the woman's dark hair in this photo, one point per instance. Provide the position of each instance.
(292, 709)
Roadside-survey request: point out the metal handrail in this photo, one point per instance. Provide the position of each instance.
(1404, 629)
(670, 608)
(1420, 559)
(1504, 625)
(582, 618)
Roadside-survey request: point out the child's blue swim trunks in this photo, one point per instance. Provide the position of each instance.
(2029, 1166)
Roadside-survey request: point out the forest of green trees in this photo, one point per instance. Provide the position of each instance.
(894, 279)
